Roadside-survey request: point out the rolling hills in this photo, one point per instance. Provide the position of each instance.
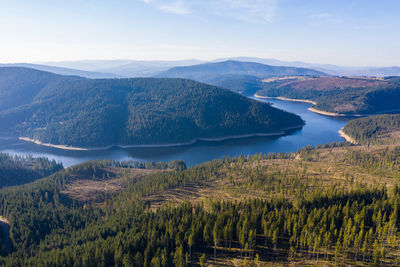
(138, 68)
(144, 111)
(124, 68)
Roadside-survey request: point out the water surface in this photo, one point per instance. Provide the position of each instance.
(318, 130)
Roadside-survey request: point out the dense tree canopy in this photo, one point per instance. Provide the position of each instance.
(16, 170)
(331, 224)
(97, 113)
(374, 129)
(344, 95)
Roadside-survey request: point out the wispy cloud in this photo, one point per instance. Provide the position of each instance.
(244, 10)
(170, 6)
(249, 10)
(326, 18)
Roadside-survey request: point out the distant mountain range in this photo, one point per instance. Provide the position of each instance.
(70, 110)
(124, 68)
(243, 77)
(326, 68)
(64, 71)
(207, 71)
(142, 68)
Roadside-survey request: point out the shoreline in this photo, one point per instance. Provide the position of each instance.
(348, 138)
(327, 113)
(5, 227)
(287, 99)
(64, 147)
(206, 139)
(312, 109)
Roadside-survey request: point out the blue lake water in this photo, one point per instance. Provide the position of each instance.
(318, 130)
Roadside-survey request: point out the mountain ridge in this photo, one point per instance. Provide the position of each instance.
(137, 111)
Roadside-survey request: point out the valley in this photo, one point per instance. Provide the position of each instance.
(293, 194)
(296, 207)
(202, 151)
(176, 133)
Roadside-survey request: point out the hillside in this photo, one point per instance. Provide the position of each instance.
(125, 67)
(63, 71)
(20, 86)
(16, 170)
(234, 74)
(144, 111)
(380, 129)
(326, 68)
(319, 206)
(340, 95)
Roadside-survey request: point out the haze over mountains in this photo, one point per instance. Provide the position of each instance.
(142, 68)
(124, 68)
(64, 70)
(208, 71)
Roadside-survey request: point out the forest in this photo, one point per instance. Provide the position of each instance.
(251, 211)
(343, 95)
(16, 170)
(379, 129)
(142, 111)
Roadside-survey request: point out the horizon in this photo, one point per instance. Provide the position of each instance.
(201, 61)
(345, 33)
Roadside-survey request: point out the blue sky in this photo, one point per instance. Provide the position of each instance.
(345, 32)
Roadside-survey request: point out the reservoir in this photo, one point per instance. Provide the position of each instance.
(319, 129)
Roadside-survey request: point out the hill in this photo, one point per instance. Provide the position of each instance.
(339, 95)
(326, 68)
(20, 86)
(319, 206)
(124, 68)
(16, 170)
(380, 129)
(143, 68)
(64, 71)
(233, 74)
(145, 111)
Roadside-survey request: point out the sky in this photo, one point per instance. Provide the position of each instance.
(342, 32)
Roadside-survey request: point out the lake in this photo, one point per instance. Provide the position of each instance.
(318, 130)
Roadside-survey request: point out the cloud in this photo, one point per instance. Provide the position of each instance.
(249, 10)
(326, 18)
(170, 6)
(244, 10)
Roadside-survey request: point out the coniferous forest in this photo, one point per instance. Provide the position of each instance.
(140, 111)
(183, 133)
(258, 210)
(342, 95)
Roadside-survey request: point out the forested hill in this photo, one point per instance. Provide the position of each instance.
(103, 112)
(238, 76)
(343, 95)
(380, 129)
(16, 170)
(20, 86)
(231, 67)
